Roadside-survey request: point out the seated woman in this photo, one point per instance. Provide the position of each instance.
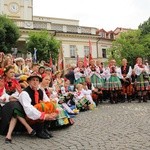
(63, 117)
(11, 110)
(19, 72)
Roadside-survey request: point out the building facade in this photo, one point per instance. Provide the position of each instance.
(75, 38)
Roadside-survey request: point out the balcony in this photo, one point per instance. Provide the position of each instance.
(39, 25)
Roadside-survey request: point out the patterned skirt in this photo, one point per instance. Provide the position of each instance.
(63, 117)
(142, 83)
(80, 80)
(82, 104)
(113, 84)
(97, 82)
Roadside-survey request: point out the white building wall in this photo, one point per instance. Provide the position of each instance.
(1, 7)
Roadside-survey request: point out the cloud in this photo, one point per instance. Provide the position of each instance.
(107, 14)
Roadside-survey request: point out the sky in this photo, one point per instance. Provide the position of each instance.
(106, 14)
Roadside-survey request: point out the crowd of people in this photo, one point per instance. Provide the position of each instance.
(34, 97)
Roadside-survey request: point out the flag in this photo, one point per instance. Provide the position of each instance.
(50, 62)
(35, 55)
(85, 61)
(90, 51)
(60, 59)
(77, 60)
(77, 57)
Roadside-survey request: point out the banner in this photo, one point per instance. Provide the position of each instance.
(35, 56)
(90, 51)
(60, 59)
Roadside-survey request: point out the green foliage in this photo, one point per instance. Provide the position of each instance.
(132, 44)
(9, 34)
(145, 27)
(53, 46)
(45, 44)
(145, 41)
(127, 46)
(145, 38)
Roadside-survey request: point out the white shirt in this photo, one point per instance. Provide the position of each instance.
(29, 109)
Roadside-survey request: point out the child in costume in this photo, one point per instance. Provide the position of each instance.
(83, 97)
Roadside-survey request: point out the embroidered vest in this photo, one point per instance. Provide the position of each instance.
(124, 71)
(31, 94)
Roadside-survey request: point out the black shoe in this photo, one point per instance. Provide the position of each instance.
(144, 100)
(7, 141)
(33, 133)
(43, 135)
(48, 132)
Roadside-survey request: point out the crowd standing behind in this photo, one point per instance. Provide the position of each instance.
(34, 98)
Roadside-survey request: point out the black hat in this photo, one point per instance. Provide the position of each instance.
(34, 75)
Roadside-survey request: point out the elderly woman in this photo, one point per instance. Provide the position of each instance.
(19, 64)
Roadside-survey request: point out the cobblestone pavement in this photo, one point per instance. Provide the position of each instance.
(123, 126)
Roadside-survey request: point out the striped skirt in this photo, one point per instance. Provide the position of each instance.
(141, 83)
(113, 84)
(97, 82)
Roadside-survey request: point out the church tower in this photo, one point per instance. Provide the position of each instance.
(17, 9)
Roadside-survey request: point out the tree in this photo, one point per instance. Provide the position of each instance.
(145, 41)
(45, 44)
(145, 37)
(9, 34)
(53, 46)
(145, 27)
(127, 46)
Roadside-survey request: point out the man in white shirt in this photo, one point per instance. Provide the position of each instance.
(31, 96)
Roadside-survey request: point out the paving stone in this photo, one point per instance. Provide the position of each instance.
(122, 126)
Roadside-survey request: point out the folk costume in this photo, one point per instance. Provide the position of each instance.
(58, 82)
(93, 72)
(79, 74)
(83, 98)
(142, 81)
(63, 117)
(112, 82)
(36, 105)
(127, 87)
(11, 108)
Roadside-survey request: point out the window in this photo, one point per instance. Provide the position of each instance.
(111, 36)
(102, 34)
(104, 53)
(72, 51)
(86, 51)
